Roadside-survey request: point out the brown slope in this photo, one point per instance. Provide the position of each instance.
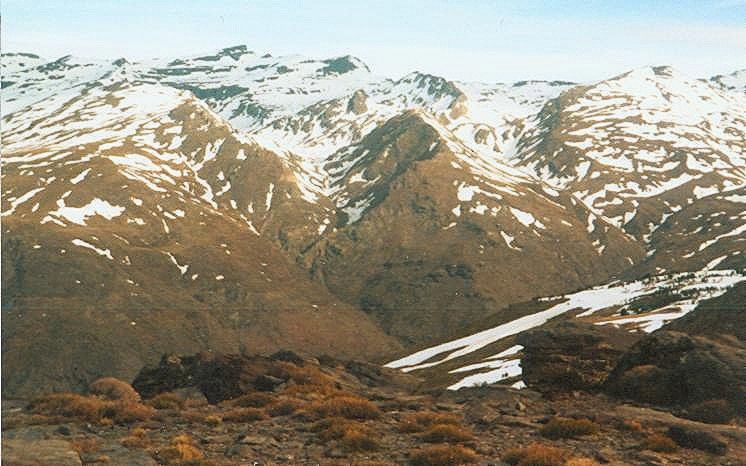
(431, 252)
(154, 265)
(709, 232)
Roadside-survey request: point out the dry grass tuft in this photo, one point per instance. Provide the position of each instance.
(113, 389)
(347, 406)
(244, 415)
(252, 400)
(660, 443)
(417, 422)
(536, 454)
(443, 455)
(447, 433)
(351, 435)
(581, 462)
(138, 438)
(68, 405)
(84, 445)
(198, 417)
(183, 449)
(167, 400)
(283, 408)
(90, 408)
(559, 427)
(124, 412)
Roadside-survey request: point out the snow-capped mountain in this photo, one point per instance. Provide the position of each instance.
(395, 209)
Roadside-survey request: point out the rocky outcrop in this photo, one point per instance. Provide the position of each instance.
(571, 355)
(674, 369)
(357, 104)
(219, 377)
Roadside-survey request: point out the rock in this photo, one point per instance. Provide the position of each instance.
(171, 373)
(121, 456)
(218, 377)
(571, 355)
(267, 383)
(689, 437)
(24, 452)
(357, 104)
(674, 369)
(257, 440)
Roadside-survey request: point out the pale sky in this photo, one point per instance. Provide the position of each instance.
(472, 40)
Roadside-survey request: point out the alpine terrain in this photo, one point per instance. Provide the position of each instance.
(297, 260)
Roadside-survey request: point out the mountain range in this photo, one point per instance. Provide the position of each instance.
(236, 201)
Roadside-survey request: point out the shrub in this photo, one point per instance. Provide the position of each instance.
(711, 412)
(252, 400)
(350, 407)
(243, 415)
(443, 455)
(282, 408)
(114, 390)
(167, 400)
(535, 454)
(660, 443)
(559, 427)
(418, 422)
(447, 433)
(182, 449)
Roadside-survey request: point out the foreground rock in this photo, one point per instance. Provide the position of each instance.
(293, 409)
(223, 377)
(676, 370)
(32, 452)
(572, 355)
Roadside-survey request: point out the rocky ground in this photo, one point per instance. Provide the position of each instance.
(288, 409)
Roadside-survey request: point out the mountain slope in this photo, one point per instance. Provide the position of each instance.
(109, 215)
(426, 230)
(261, 201)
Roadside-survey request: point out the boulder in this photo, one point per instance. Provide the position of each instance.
(674, 369)
(218, 376)
(571, 355)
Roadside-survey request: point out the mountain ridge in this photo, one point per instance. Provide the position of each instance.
(410, 207)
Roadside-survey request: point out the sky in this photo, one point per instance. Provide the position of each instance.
(468, 40)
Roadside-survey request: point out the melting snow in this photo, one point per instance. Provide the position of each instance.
(102, 252)
(79, 215)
